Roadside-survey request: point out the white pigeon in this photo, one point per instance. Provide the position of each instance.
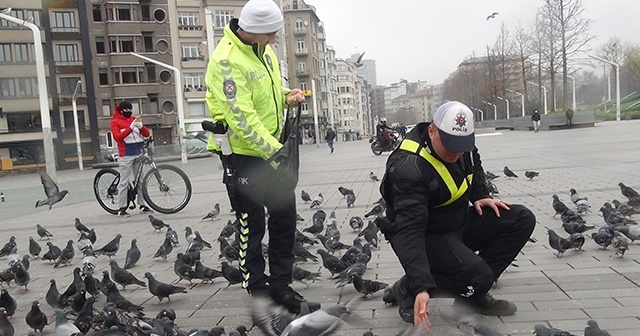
(317, 201)
(89, 264)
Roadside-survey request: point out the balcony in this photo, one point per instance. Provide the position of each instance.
(302, 52)
(190, 27)
(302, 73)
(69, 63)
(193, 58)
(300, 31)
(65, 29)
(189, 88)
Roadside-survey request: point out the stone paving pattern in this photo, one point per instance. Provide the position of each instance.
(563, 292)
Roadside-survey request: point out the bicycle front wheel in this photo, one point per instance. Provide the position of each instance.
(166, 189)
(105, 188)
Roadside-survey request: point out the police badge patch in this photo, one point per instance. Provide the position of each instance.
(229, 88)
(269, 61)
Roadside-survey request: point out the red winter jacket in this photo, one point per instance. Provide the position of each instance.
(129, 141)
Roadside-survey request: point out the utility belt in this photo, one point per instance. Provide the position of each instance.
(221, 138)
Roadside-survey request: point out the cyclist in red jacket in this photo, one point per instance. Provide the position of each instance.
(129, 133)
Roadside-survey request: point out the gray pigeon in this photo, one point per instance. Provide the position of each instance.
(558, 243)
(320, 322)
(351, 200)
(620, 243)
(164, 249)
(51, 190)
(373, 177)
(592, 329)
(8, 303)
(111, 248)
(81, 227)
(66, 256)
(21, 276)
(543, 330)
(35, 318)
(317, 201)
(133, 255)
(508, 173)
(213, 214)
(63, 326)
(42, 232)
(162, 290)
(171, 233)
(123, 277)
(305, 196)
(558, 206)
(157, 223)
(531, 174)
(300, 275)
(34, 248)
(6, 328)
(189, 235)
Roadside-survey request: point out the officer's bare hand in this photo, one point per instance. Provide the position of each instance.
(491, 203)
(420, 308)
(295, 97)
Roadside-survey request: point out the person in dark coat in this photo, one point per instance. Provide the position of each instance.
(331, 135)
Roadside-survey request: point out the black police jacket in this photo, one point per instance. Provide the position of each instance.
(419, 203)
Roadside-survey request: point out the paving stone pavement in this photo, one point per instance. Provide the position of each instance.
(562, 292)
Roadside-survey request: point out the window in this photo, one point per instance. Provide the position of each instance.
(7, 87)
(106, 140)
(25, 87)
(193, 82)
(106, 108)
(145, 11)
(196, 109)
(121, 44)
(299, 24)
(303, 85)
(35, 14)
(191, 51)
(69, 120)
(97, 13)
(100, 45)
(123, 12)
(222, 18)
(103, 76)
(300, 46)
(305, 106)
(148, 41)
(17, 13)
(67, 53)
(302, 67)
(188, 18)
(64, 21)
(68, 85)
(5, 53)
(22, 53)
(128, 75)
(151, 73)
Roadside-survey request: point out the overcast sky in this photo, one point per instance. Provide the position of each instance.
(427, 39)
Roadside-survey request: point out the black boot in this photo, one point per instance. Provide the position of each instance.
(403, 300)
(292, 300)
(487, 305)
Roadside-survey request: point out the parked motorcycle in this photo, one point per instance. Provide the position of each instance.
(392, 144)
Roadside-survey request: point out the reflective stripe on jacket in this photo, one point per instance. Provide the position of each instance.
(244, 91)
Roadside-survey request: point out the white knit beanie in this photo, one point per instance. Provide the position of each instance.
(260, 17)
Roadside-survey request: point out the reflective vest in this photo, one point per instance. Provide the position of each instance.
(455, 191)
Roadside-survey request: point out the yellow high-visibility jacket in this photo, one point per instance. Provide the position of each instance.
(244, 91)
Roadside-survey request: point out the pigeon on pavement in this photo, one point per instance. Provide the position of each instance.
(558, 243)
(619, 243)
(356, 223)
(558, 206)
(63, 326)
(351, 200)
(35, 318)
(53, 254)
(42, 232)
(213, 214)
(21, 276)
(124, 277)
(51, 190)
(34, 248)
(6, 328)
(8, 303)
(157, 224)
(376, 211)
(232, 274)
(133, 255)
(603, 237)
(508, 173)
(344, 191)
(625, 209)
(531, 174)
(317, 201)
(373, 177)
(571, 228)
(592, 329)
(628, 192)
(162, 290)
(66, 256)
(111, 248)
(305, 196)
(367, 287)
(300, 275)
(164, 249)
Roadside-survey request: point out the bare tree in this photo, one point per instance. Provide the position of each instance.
(630, 70)
(551, 42)
(523, 46)
(573, 30)
(613, 51)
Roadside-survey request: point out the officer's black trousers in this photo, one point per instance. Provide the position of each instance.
(256, 185)
(456, 267)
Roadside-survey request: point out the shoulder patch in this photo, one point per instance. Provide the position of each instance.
(269, 61)
(408, 169)
(229, 88)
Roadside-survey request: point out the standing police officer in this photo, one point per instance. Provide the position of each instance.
(430, 182)
(245, 95)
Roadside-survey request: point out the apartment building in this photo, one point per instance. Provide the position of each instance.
(116, 30)
(353, 107)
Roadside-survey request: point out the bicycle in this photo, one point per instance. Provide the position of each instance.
(165, 188)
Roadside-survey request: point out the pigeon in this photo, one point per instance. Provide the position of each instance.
(305, 196)
(85, 321)
(123, 277)
(53, 296)
(571, 228)
(300, 275)
(89, 263)
(9, 247)
(569, 216)
(227, 251)
(351, 200)
(53, 254)
(213, 214)
(367, 287)
(168, 313)
(628, 192)
(81, 227)
(270, 318)
(558, 243)
(373, 177)
(133, 255)
(66, 255)
(603, 237)
(317, 201)
(558, 206)
(356, 223)
(315, 228)
(35, 318)
(620, 243)
(332, 263)
(85, 245)
(489, 176)
(232, 274)
(111, 248)
(78, 300)
(25, 262)
(105, 281)
(492, 188)
(8, 303)
(92, 285)
(6, 328)
(6, 276)
(228, 230)
(162, 290)
(320, 322)
(349, 257)
(359, 268)
(92, 236)
(531, 174)
(543, 330)
(51, 190)
(63, 326)
(625, 209)
(157, 223)
(189, 235)
(345, 192)
(42, 232)
(508, 173)
(331, 244)
(205, 273)
(376, 211)
(631, 232)
(612, 217)
(34, 248)
(319, 215)
(114, 296)
(492, 16)
(198, 239)
(21, 276)
(183, 270)
(592, 329)
(164, 249)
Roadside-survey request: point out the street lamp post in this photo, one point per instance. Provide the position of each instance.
(315, 112)
(506, 100)
(495, 110)
(573, 85)
(544, 92)
(521, 97)
(76, 126)
(480, 111)
(179, 103)
(617, 83)
(208, 19)
(47, 139)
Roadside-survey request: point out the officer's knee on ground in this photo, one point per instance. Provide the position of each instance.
(475, 281)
